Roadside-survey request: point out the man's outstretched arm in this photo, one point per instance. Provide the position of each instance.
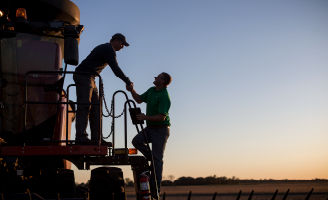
(118, 71)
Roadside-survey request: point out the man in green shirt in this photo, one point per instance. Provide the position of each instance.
(158, 124)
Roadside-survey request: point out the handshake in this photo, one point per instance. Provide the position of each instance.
(139, 116)
(129, 87)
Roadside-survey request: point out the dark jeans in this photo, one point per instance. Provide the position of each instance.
(86, 93)
(158, 137)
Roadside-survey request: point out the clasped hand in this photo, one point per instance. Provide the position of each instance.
(129, 87)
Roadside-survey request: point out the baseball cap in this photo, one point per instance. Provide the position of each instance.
(121, 37)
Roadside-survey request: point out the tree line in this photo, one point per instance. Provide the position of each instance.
(209, 180)
(214, 180)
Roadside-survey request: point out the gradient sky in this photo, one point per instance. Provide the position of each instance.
(250, 88)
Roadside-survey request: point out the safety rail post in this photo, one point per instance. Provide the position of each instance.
(286, 194)
(113, 107)
(189, 195)
(309, 194)
(113, 123)
(100, 109)
(127, 103)
(251, 195)
(67, 110)
(214, 195)
(125, 121)
(239, 195)
(274, 195)
(125, 129)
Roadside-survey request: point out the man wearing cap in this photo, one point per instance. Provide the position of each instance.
(158, 125)
(86, 89)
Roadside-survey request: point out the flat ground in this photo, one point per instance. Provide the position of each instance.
(262, 191)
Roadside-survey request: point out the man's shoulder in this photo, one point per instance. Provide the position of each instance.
(148, 91)
(164, 95)
(151, 89)
(165, 92)
(106, 47)
(103, 46)
(105, 51)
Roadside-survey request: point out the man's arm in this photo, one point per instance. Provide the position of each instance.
(112, 62)
(134, 94)
(137, 98)
(119, 73)
(155, 118)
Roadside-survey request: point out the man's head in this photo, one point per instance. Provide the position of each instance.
(118, 41)
(162, 80)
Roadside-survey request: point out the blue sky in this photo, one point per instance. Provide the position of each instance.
(249, 92)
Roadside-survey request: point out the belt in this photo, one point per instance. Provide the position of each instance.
(159, 126)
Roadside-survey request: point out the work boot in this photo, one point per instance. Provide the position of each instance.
(83, 141)
(103, 143)
(95, 140)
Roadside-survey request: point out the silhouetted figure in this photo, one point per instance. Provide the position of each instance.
(86, 89)
(158, 124)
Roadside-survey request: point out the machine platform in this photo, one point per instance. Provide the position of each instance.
(54, 150)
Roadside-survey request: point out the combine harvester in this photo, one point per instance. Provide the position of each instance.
(36, 150)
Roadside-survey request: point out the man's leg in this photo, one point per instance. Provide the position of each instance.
(139, 142)
(94, 114)
(83, 95)
(159, 139)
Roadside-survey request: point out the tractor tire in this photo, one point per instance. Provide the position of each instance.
(107, 183)
(52, 182)
(65, 181)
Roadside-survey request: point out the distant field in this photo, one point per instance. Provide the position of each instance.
(263, 191)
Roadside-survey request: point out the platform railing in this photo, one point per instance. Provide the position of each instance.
(36, 74)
